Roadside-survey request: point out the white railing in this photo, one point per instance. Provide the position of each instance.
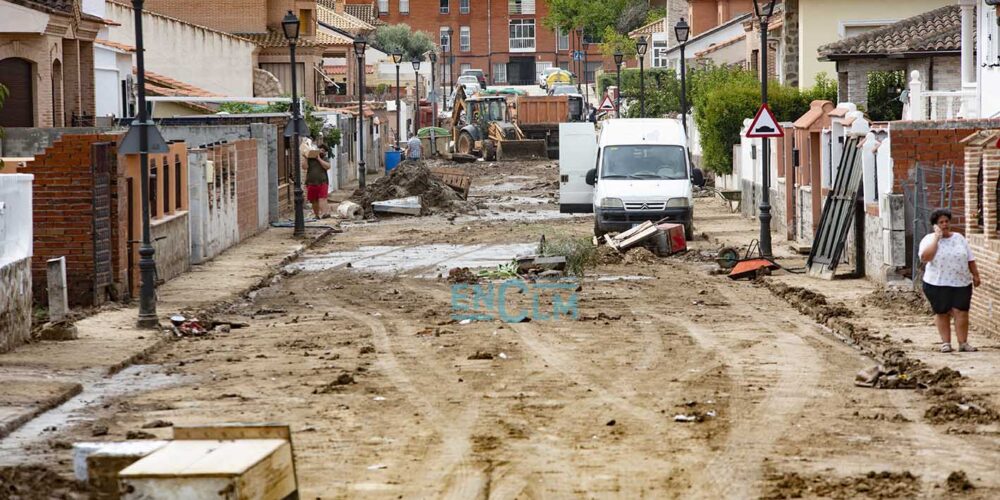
(939, 104)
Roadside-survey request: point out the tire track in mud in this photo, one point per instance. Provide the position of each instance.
(450, 473)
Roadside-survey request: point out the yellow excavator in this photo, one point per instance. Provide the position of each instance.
(482, 126)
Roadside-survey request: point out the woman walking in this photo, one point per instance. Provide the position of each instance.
(949, 277)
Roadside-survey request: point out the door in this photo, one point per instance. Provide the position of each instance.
(18, 108)
(521, 71)
(577, 156)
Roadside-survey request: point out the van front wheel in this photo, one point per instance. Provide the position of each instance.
(597, 229)
(689, 231)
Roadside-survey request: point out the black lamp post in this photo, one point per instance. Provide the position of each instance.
(433, 57)
(586, 81)
(640, 50)
(397, 57)
(416, 95)
(143, 138)
(583, 74)
(682, 31)
(359, 51)
(290, 26)
(619, 57)
(764, 9)
(451, 60)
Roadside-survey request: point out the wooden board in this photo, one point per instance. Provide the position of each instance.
(232, 431)
(193, 469)
(456, 178)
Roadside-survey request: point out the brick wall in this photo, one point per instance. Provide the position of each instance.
(914, 145)
(246, 187)
(985, 238)
(230, 16)
(63, 214)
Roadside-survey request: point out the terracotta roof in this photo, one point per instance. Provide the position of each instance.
(115, 45)
(939, 30)
(275, 38)
(657, 26)
(720, 46)
(166, 86)
(364, 12)
(341, 69)
(342, 21)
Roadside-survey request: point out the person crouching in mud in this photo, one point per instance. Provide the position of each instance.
(949, 277)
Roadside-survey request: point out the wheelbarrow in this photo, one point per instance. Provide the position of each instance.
(750, 266)
(730, 197)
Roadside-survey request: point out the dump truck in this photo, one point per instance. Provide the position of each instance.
(482, 126)
(539, 117)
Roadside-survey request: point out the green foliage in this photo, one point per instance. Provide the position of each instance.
(825, 89)
(580, 253)
(596, 16)
(314, 123)
(884, 88)
(655, 14)
(400, 37)
(238, 108)
(331, 137)
(615, 41)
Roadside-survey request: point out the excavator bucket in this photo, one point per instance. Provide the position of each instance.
(525, 149)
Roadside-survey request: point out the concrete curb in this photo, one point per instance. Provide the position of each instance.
(8, 427)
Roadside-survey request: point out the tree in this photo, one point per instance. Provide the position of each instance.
(595, 16)
(615, 41)
(400, 37)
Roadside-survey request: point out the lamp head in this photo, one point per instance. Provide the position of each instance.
(360, 44)
(619, 57)
(416, 63)
(641, 46)
(763, 8)
(433, 57)
(682, 30)
(290, 26)
(397, 56)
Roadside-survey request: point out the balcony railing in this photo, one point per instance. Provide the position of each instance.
(939, 104)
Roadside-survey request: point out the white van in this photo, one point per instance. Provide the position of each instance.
(637, 170)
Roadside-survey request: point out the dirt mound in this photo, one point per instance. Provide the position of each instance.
(639, 255)
(809, 302)
(959, 482)
(606, 255)
(412, 178)
(871, 485)
(954, 407)
(35, 481)
(462, 275)
(907, 301)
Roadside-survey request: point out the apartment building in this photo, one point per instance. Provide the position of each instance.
(507, 39)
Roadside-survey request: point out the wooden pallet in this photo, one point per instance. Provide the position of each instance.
(456, 178)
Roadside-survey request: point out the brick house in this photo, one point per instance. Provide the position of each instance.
(507, 40)
(260, 22)
(47, 63)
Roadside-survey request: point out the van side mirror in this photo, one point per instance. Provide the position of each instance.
(592, 176)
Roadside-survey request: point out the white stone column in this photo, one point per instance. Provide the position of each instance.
(968, 49)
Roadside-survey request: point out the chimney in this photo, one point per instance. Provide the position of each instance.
(338, 6)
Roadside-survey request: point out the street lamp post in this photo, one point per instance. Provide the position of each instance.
(451, 60)
(143, 138)
(583, 74)
(359, 51)
(433, 57)
(640, 50)
(682, 31)
(764, 9)
(586, 82)
(416, 95)
(619, 57)
(397, 57)
(290, 26)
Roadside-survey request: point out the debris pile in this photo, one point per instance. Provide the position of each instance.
(660, 239)
(412, 179)
(871, 485)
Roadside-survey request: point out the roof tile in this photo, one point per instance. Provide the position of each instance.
(939, 30)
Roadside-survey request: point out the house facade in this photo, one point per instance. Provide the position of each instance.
(988, 54)
(507, 40)
(47, 63)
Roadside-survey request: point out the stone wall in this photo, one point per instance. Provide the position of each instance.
(945, 74)
(790, 32)
(173, 251)
(15, 304)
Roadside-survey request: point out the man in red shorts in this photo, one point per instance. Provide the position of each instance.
(316, 182)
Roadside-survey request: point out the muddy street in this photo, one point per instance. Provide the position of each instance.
(652, 378)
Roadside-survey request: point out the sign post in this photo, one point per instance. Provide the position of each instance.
(764, 127)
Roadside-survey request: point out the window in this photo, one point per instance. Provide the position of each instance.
(445, 39)
(166, 186)
(404, 7)
(383, 6)
(562, 40)
(464, 39)
(445, 6)
(522, 35)
(521, 6)
(499, 73)
(659, 53)
(463, 6)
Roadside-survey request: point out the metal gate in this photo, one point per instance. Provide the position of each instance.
(102, 160)
(838, 214)
(923, 197)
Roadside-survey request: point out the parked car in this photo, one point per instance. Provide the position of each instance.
(478, 73)
(471, 88)
(467, 79)
(563, 90)
(543, 77)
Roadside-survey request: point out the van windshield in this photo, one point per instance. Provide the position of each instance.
(644, 162)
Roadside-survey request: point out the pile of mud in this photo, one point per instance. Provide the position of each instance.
(954, 407)
(808, 302)
(907, 301)
(639, 255)
(35, 481)
(605, 255)
(412, 178)
(871, 485)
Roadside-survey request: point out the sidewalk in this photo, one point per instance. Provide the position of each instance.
(894, 318)
(42, 375)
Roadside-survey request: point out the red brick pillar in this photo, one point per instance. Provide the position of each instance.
(973, 155)
(991, 174)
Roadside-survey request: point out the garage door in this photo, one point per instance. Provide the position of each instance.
(15, 74)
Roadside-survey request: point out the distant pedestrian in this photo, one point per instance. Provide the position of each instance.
(949, 277)
(413, 148)
(317, 183)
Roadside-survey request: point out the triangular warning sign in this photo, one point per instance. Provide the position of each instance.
(607, 104)
(764, 124)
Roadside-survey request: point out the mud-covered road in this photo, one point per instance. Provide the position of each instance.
(671, 382)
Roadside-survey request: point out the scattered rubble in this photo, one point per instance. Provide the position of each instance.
(336, 385)
(872, 485)
(958, 482)
(462, 275)
(639, 255)
(909, 301)
(955, 407)
(139, 435)
(36, 481)
(481, 355)
(412, 179)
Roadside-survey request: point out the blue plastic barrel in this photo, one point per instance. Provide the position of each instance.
(392, 159)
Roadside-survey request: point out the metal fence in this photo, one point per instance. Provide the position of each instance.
(927, 189)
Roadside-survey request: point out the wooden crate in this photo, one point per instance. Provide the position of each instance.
(456, 178)
(245, 469)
